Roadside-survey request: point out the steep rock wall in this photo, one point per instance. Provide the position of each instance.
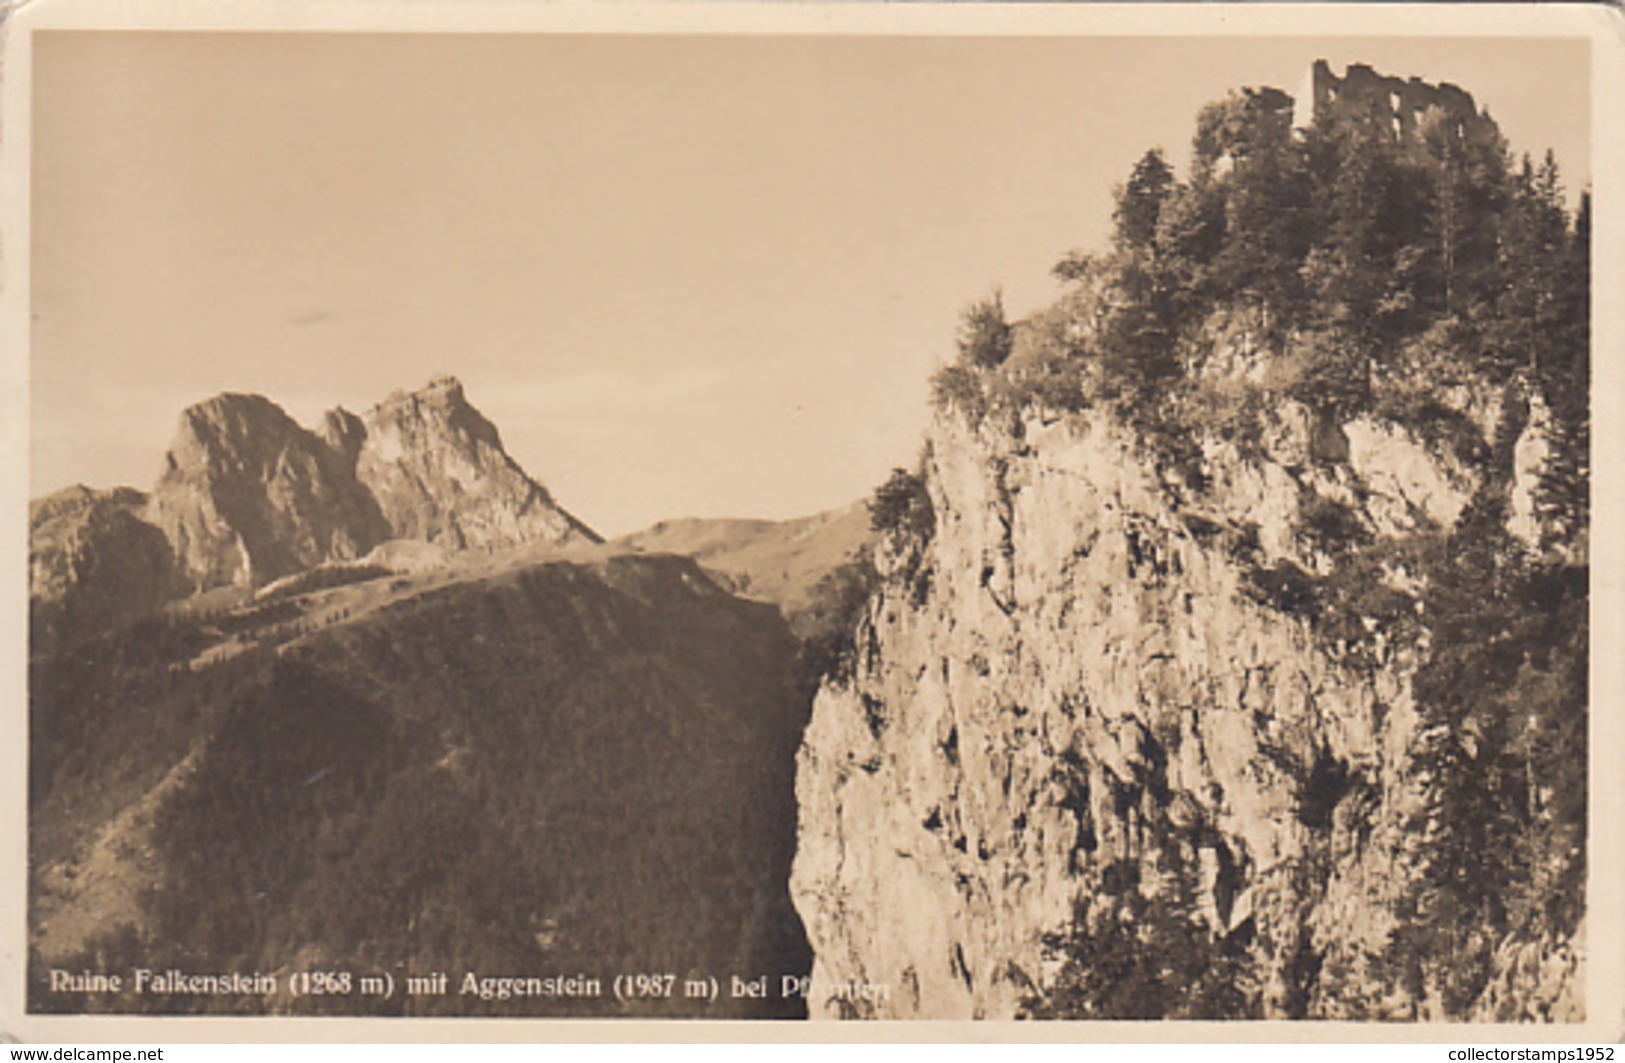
(247, 496)
(438, 470)
(1074, 675)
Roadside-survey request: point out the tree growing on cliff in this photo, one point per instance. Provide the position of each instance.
(901, 506)
(984, 333)
(1564, 498)
(1268, 229)
(1503, 699)
(1140, 200)
(1138, 950)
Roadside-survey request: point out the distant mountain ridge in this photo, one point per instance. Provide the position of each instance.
(248, 496)
(787, 563)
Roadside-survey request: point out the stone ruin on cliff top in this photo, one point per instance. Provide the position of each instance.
(1401, 102)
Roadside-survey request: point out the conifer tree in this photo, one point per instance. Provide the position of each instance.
(1139, 202)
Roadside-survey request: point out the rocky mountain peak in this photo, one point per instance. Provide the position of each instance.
(224, 426)
(444, 384)
(440, 474)
(444, 391)
(247, 495)
(92, 561)
(439, 407)
(77, 499)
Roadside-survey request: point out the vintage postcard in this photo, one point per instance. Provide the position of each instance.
(819, 522)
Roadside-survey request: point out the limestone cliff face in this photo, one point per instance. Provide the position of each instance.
(439, 473)
(1079, 675)
(248, 496)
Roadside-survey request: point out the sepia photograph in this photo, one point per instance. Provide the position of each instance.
(849, 517)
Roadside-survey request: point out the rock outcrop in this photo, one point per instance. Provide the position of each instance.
(1083, 680)
(438, 471)
(248, 497)
(92, 561)
(1529, 458)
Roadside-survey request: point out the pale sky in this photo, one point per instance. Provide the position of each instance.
(685, 276)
